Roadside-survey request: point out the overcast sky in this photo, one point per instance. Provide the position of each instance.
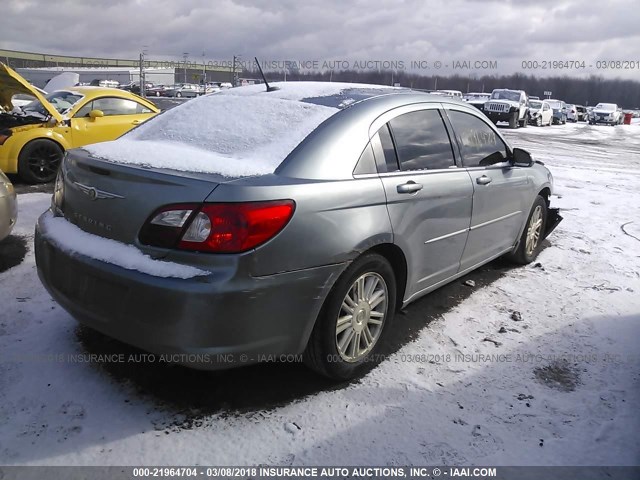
(508, 32)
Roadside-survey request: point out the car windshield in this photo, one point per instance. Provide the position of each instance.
(506, 95)
(535, 104)
(61, 101)
(555, 104)
(606, 106)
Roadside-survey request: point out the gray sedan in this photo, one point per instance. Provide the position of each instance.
(8, 206)
(297, 221)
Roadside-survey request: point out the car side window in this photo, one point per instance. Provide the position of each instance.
(390, 157)
(84, 111)
(480, 146)
(113, 106)
(422, 141)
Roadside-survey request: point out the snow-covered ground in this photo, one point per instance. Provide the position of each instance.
(539, 367)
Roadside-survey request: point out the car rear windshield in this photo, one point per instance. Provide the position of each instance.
(236, 132)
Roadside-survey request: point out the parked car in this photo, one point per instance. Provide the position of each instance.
(572, 113)
(540, 112)
(476, 99)
(134, 87)
(450, 93)
(559, 111)
(182, 90)
(156, 91)
(34, 138)
(508, 106)
(582, 113)
(8, 206)
(305, 237)
(607, 113)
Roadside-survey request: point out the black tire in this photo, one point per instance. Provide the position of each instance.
(513, 120)
(539, 121)
(39, 160)
(322, 353)
(178, 94)
(521, 255)
(524, 121)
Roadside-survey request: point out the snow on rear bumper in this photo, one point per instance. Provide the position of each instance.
(223, 320)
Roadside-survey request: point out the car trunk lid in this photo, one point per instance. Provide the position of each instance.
(114, 201)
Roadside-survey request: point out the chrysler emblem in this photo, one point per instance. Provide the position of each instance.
(95, 194)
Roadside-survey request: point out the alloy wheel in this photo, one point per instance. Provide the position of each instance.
(44, 161)
(534, 229)
(361, 317)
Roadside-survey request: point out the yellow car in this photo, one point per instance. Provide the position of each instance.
(33, 138)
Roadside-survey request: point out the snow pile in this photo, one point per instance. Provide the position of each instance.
(72, 239)
(226, 134)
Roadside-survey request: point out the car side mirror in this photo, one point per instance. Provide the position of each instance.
(521, 158)
(93, 114)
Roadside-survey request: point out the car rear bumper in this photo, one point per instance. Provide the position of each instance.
(223, 320)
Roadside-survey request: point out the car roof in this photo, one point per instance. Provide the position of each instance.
(346, 132)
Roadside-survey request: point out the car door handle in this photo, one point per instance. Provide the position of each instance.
(136, 122)
(483, 180)
(409, 187)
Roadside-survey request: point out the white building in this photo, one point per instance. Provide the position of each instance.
(123, 75)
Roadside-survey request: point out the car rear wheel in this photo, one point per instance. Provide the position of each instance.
(533, 234)
(39, 161)
(353, 320)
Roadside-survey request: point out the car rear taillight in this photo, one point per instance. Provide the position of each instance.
(217, 227)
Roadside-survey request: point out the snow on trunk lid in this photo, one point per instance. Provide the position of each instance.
(114, 201)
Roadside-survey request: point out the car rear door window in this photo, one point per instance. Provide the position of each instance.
(480, 145)
(390, 158)
(422, 141)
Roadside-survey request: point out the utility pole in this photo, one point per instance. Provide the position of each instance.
(204, 71)
(141, 76)
(234, 77)
(185, 55)
(233, 72)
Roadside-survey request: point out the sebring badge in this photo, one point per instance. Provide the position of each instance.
(95, 194)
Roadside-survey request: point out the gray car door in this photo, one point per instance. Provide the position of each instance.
(429, 198)
(500, 190)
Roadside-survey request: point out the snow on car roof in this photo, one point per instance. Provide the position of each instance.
(237, 132)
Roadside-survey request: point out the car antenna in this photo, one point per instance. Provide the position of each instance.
(269, 87)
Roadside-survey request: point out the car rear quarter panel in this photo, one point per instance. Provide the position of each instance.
(333, 222)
